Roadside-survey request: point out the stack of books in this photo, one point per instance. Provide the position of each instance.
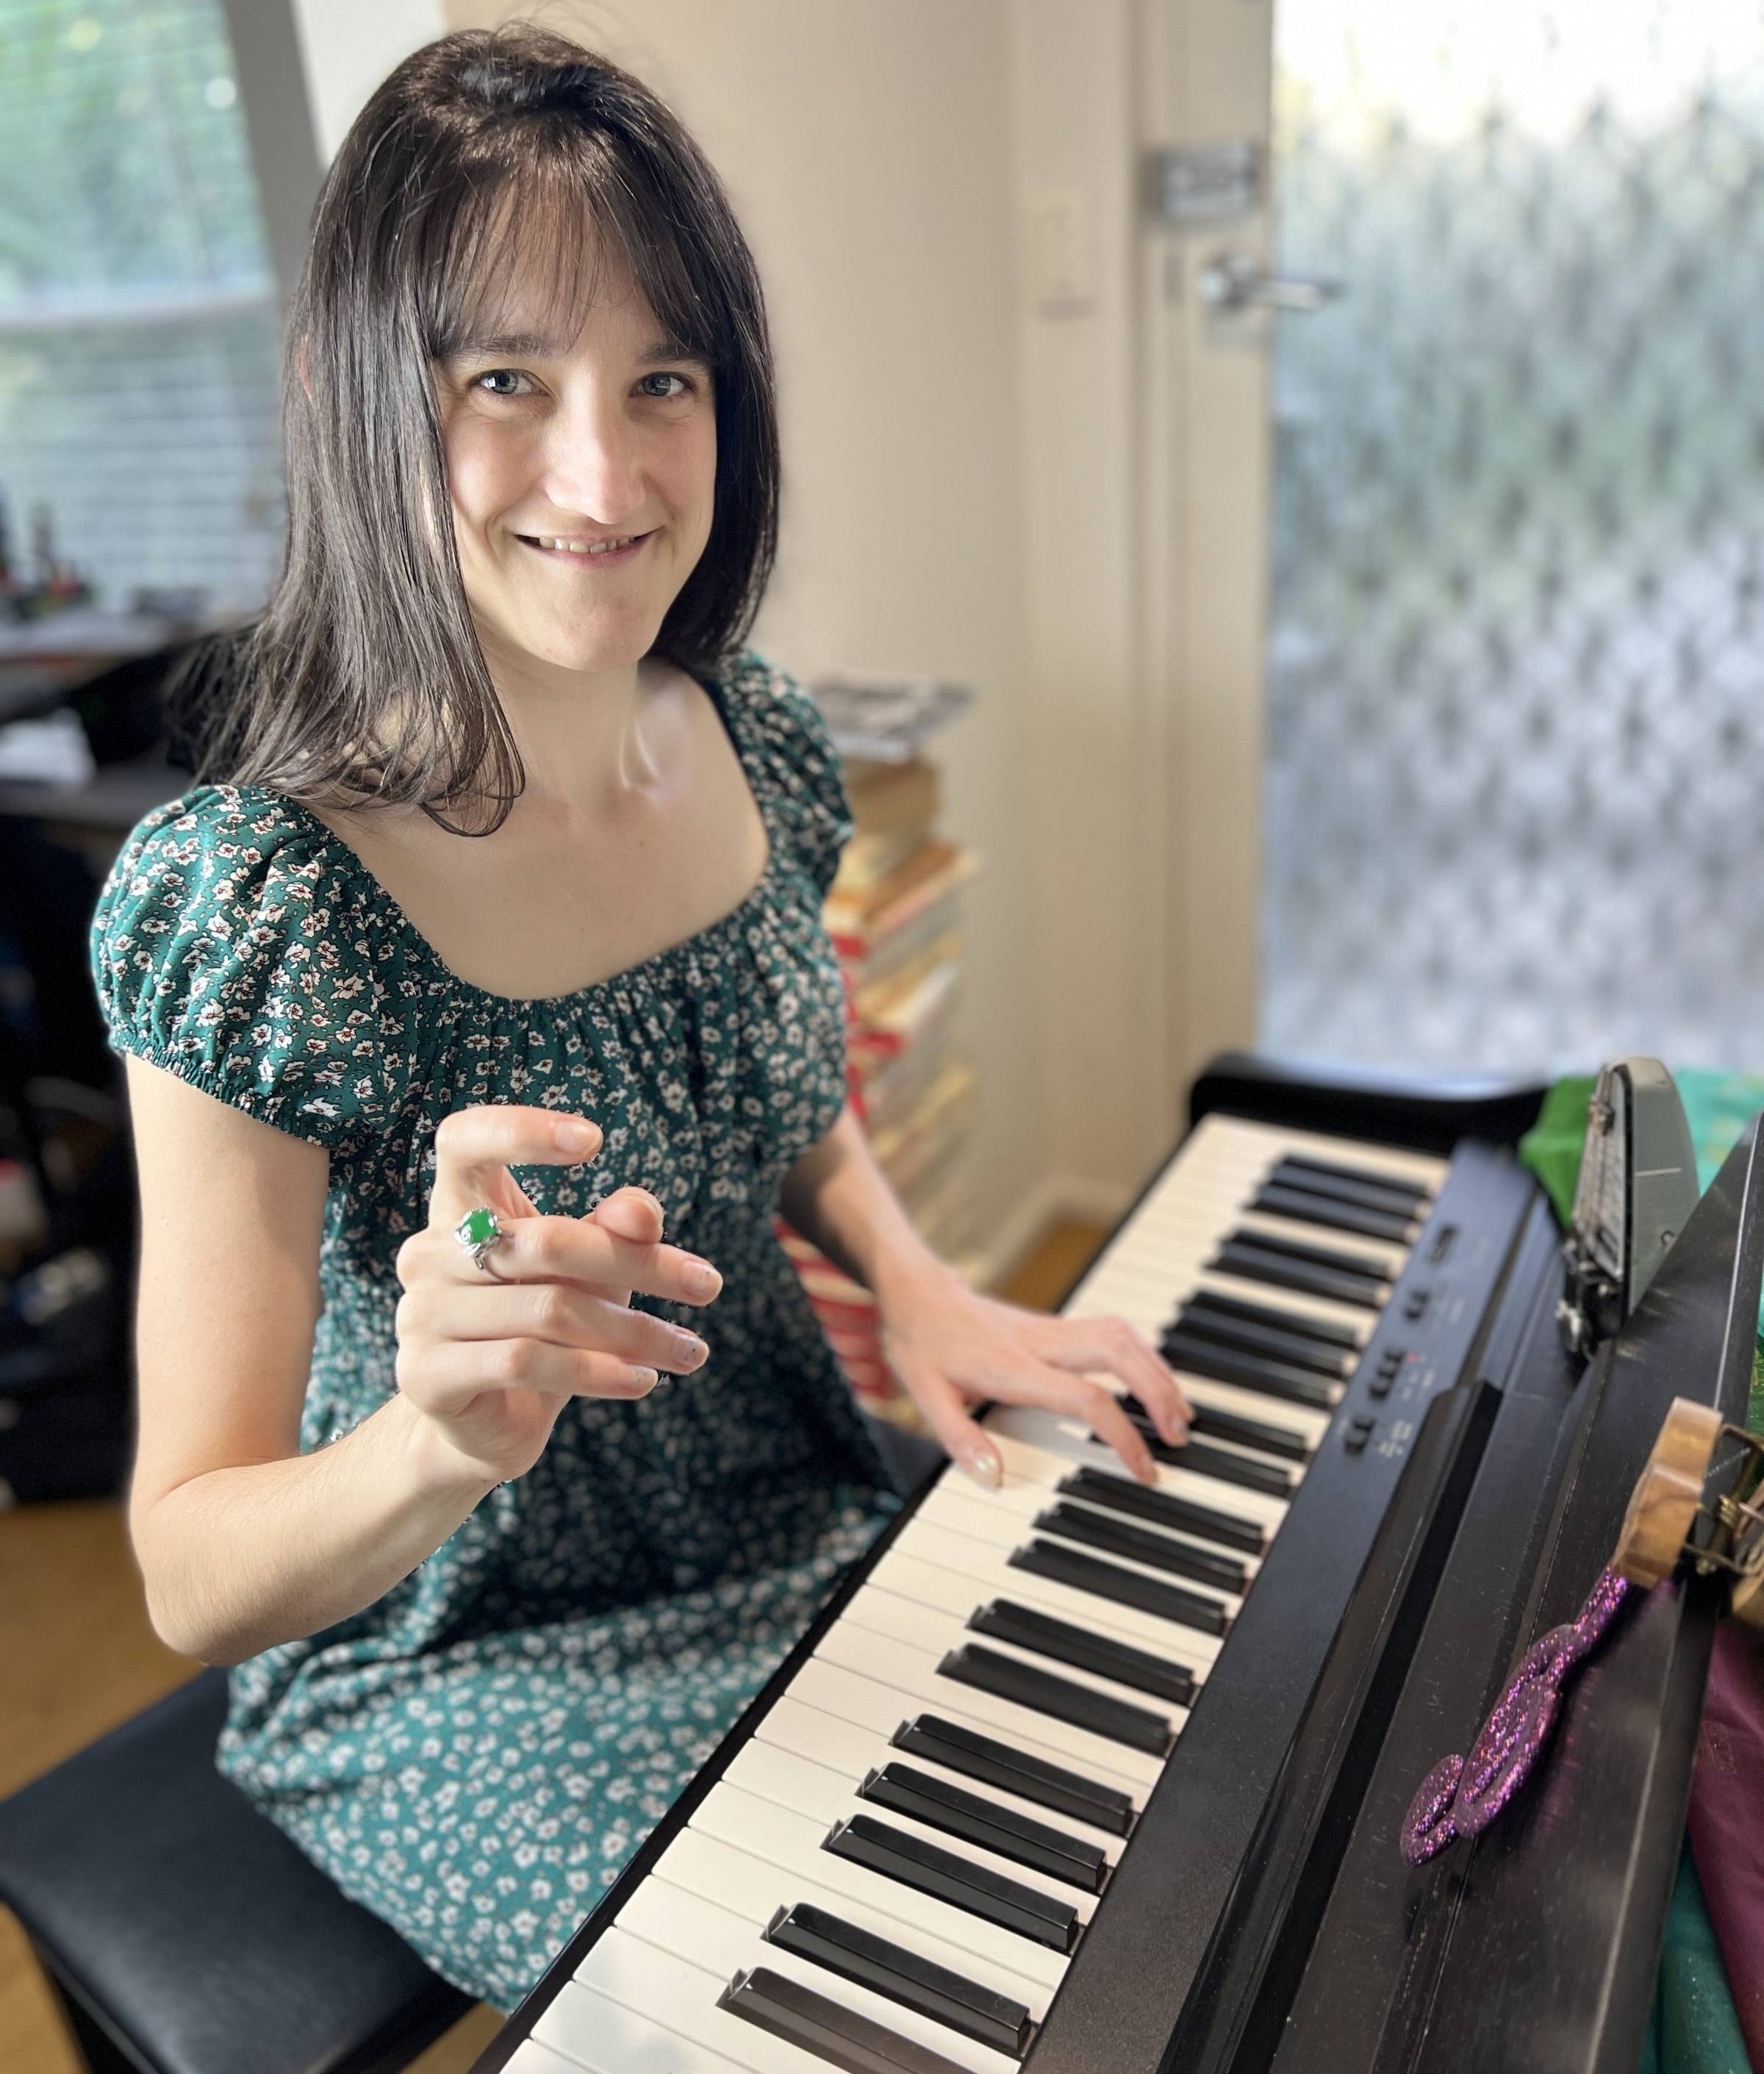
(895, 914)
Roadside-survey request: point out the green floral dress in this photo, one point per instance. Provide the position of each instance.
(476, 1756)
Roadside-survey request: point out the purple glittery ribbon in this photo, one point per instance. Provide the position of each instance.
(1461, 1796)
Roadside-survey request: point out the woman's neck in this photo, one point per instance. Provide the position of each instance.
(588, 740)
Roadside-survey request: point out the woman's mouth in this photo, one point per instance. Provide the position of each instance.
(613, 552)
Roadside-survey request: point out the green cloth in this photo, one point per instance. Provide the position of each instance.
(1693, 2028)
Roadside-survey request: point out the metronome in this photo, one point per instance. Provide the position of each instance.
(1638, 1185)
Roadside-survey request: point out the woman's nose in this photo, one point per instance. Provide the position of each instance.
(595, 465)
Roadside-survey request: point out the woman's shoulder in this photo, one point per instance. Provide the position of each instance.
(229, 944)
(794, 761)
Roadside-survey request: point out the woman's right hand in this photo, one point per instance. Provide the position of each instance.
(488, 1359)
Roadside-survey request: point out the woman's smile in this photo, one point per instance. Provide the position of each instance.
(565, 548)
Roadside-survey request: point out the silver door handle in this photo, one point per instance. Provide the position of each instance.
(1234, 281)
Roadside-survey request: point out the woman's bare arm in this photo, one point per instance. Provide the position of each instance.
(242, 1542)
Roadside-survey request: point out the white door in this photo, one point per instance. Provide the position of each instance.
(1461, 642)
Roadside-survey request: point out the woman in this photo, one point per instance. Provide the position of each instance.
(489, 1593)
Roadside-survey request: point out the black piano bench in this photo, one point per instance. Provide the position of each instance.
(184, 1934)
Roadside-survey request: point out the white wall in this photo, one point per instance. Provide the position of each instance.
(347, 46)
(960, 467)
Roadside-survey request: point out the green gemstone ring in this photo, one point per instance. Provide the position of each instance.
(477, 1231)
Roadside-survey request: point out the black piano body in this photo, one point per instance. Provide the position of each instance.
(1466, 1496)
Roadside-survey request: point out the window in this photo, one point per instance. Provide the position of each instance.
(139, 331)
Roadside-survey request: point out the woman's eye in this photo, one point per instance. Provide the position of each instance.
(684, 389)
(499, 374)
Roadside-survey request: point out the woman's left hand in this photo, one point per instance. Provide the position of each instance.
(952, 1348)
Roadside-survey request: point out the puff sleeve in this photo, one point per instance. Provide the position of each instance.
(229, 948)
(803, 767)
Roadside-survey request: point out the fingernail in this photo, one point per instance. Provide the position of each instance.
(691, 1350)
(578, 1137)
(646, 1378)
(985, 1468)
(700, 1279)
(1147, 1471)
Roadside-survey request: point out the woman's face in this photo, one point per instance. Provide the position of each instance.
(552, 444)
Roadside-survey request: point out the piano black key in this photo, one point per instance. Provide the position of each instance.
(965, 1750)
(1255, 1262)
(1324, 1210)
(891, 1970)
(1005, 1620)
(843, 2037)
(1022, 1683)
(1256, 1372)
(1098, 1487)
(1001, 1830)
(1272, 1479)
(1139, 1544)
(1283, 1343)
(1325, 1330)
(1210, 1423)
(1310, 1254)
(927, 1867)
(1127, 1588)
(1351, 1184)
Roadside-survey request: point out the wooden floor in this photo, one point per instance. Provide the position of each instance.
(80, 1658)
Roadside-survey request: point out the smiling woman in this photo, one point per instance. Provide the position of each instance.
(491, 1595)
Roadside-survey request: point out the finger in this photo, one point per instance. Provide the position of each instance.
(1034, 1382)
(632, 1213)
(474, 1148)
(1110, 1346)
(565, 1249)
(556, 1313)
(454, 1372)
(961, 1438)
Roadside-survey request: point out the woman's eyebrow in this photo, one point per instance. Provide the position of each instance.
(536, 345)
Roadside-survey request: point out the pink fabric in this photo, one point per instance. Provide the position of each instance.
(1727, 1820)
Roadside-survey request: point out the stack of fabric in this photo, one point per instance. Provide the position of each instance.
(894, 915)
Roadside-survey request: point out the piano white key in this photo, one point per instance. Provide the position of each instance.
(1149, 1298)
(880, 1611)
(952, 1590)
(987, 1569)
(793, 1843)
(854, 1698)
(1014, 1506)
(754, 1887)
(640, 2010)
(915, 1673)
(530, 2057)
(810, 1789)
(1055, 1436)
(700, 1929)
(851, 1752)
(1007, 1531)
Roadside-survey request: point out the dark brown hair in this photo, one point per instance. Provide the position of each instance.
(485, 155)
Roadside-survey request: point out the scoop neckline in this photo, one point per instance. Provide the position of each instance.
(645, 967)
